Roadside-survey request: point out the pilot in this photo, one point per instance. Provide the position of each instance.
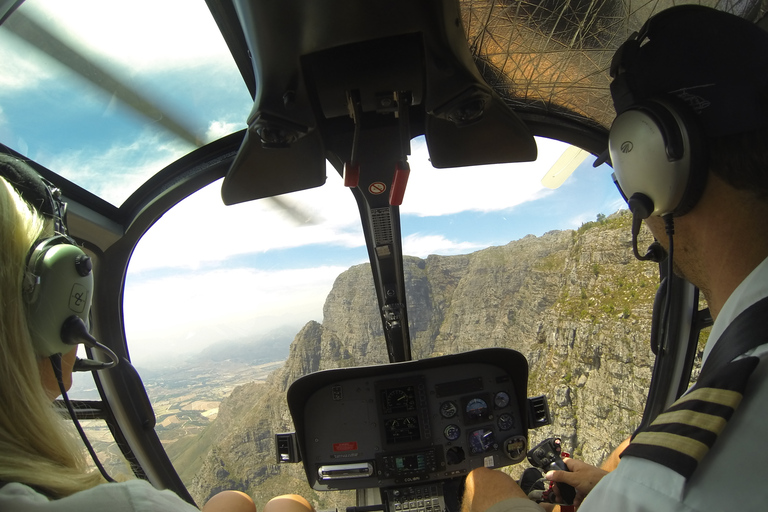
(42, 467)
(697, 73)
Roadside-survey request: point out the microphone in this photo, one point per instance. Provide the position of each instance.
(74, 332)
(641, 207)
(655, 253)
(91, 365)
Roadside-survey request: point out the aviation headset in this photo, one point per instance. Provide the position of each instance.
(58, 280)
(690, 73)
(656, 145)
(57, 286)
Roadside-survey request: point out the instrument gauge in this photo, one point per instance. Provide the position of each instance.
(452, 432)
(392, 425)
(506, 422)
(501, 400)
(481, 441)
(399, 399)
(477, 408)
(448, 409)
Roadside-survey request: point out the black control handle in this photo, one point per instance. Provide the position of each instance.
(546, 456)
(567, 492)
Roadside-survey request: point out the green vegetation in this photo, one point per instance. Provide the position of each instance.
(614, 289)
(554, 262)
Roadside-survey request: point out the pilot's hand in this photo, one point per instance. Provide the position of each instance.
(485, 487)
(582, 477)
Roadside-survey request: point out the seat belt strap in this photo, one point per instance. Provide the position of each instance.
(747, 331)
(681, 436)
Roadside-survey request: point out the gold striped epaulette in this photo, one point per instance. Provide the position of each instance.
(682, 435)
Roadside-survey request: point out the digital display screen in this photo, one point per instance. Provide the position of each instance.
(411, 463)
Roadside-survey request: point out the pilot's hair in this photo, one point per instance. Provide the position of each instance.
(36, 448)
(741, 160)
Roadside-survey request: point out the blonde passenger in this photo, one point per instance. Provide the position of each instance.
(42, 463)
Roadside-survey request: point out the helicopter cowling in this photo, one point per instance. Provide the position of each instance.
(378, 52)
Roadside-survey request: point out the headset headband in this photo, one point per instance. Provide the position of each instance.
(41, 194)
(714, 62)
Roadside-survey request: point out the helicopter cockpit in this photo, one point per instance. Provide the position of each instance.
(412, 429)
(354, 88)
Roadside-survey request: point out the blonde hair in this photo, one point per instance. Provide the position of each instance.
(35, 447)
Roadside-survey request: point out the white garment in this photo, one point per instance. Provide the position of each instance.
(731, 476)
(130, 496)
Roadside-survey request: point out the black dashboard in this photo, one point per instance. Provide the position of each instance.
(416, 423)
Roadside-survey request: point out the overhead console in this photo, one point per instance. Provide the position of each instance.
(416, 423)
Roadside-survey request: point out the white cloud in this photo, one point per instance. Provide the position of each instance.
(190, 311)
(433, 191)
(219, 129)
(202, 230)
(424, 245)
(117, 171)
(20, 69)
(148, 35)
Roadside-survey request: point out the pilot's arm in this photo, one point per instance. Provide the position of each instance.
(488, 490)
(582, 476)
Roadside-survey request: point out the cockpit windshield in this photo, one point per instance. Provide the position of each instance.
(106, 94)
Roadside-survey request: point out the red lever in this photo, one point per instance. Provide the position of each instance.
(351, 174)
(399, 182)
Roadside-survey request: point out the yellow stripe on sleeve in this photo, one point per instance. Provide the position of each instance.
(715, 395)
(709, 422)
(681, 444)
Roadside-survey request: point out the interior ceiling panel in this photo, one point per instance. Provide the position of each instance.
(552, 57)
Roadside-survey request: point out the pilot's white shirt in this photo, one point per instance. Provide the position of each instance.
(130, 496)
(732, 476)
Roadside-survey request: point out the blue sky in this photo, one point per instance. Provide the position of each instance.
(206, 272)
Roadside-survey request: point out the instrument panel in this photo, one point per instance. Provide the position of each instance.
(411, 423)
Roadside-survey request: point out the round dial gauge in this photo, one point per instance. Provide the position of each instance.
(448, 409)
(506, 422)
(398, 400)
(476, 408)
(452, 432)
(481, 441)
(501, 400)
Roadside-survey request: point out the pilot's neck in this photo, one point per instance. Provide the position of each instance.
(721, 241)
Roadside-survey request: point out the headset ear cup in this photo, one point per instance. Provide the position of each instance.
(58, 284)
(656, 150)
(698, 157)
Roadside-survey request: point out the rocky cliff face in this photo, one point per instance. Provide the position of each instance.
(575, 303)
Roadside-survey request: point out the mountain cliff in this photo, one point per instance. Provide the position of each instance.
(577, 304)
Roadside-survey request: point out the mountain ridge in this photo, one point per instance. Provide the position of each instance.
(576, 303)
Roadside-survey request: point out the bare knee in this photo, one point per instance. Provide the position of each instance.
(230, 501)
(288, 503)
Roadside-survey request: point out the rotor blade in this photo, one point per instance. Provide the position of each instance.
(293, 211)
(564, 167)
(38, 36)
(35, 34)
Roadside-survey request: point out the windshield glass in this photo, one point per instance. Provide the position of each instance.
(226, 306)
(108, 93)
(207, 273)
